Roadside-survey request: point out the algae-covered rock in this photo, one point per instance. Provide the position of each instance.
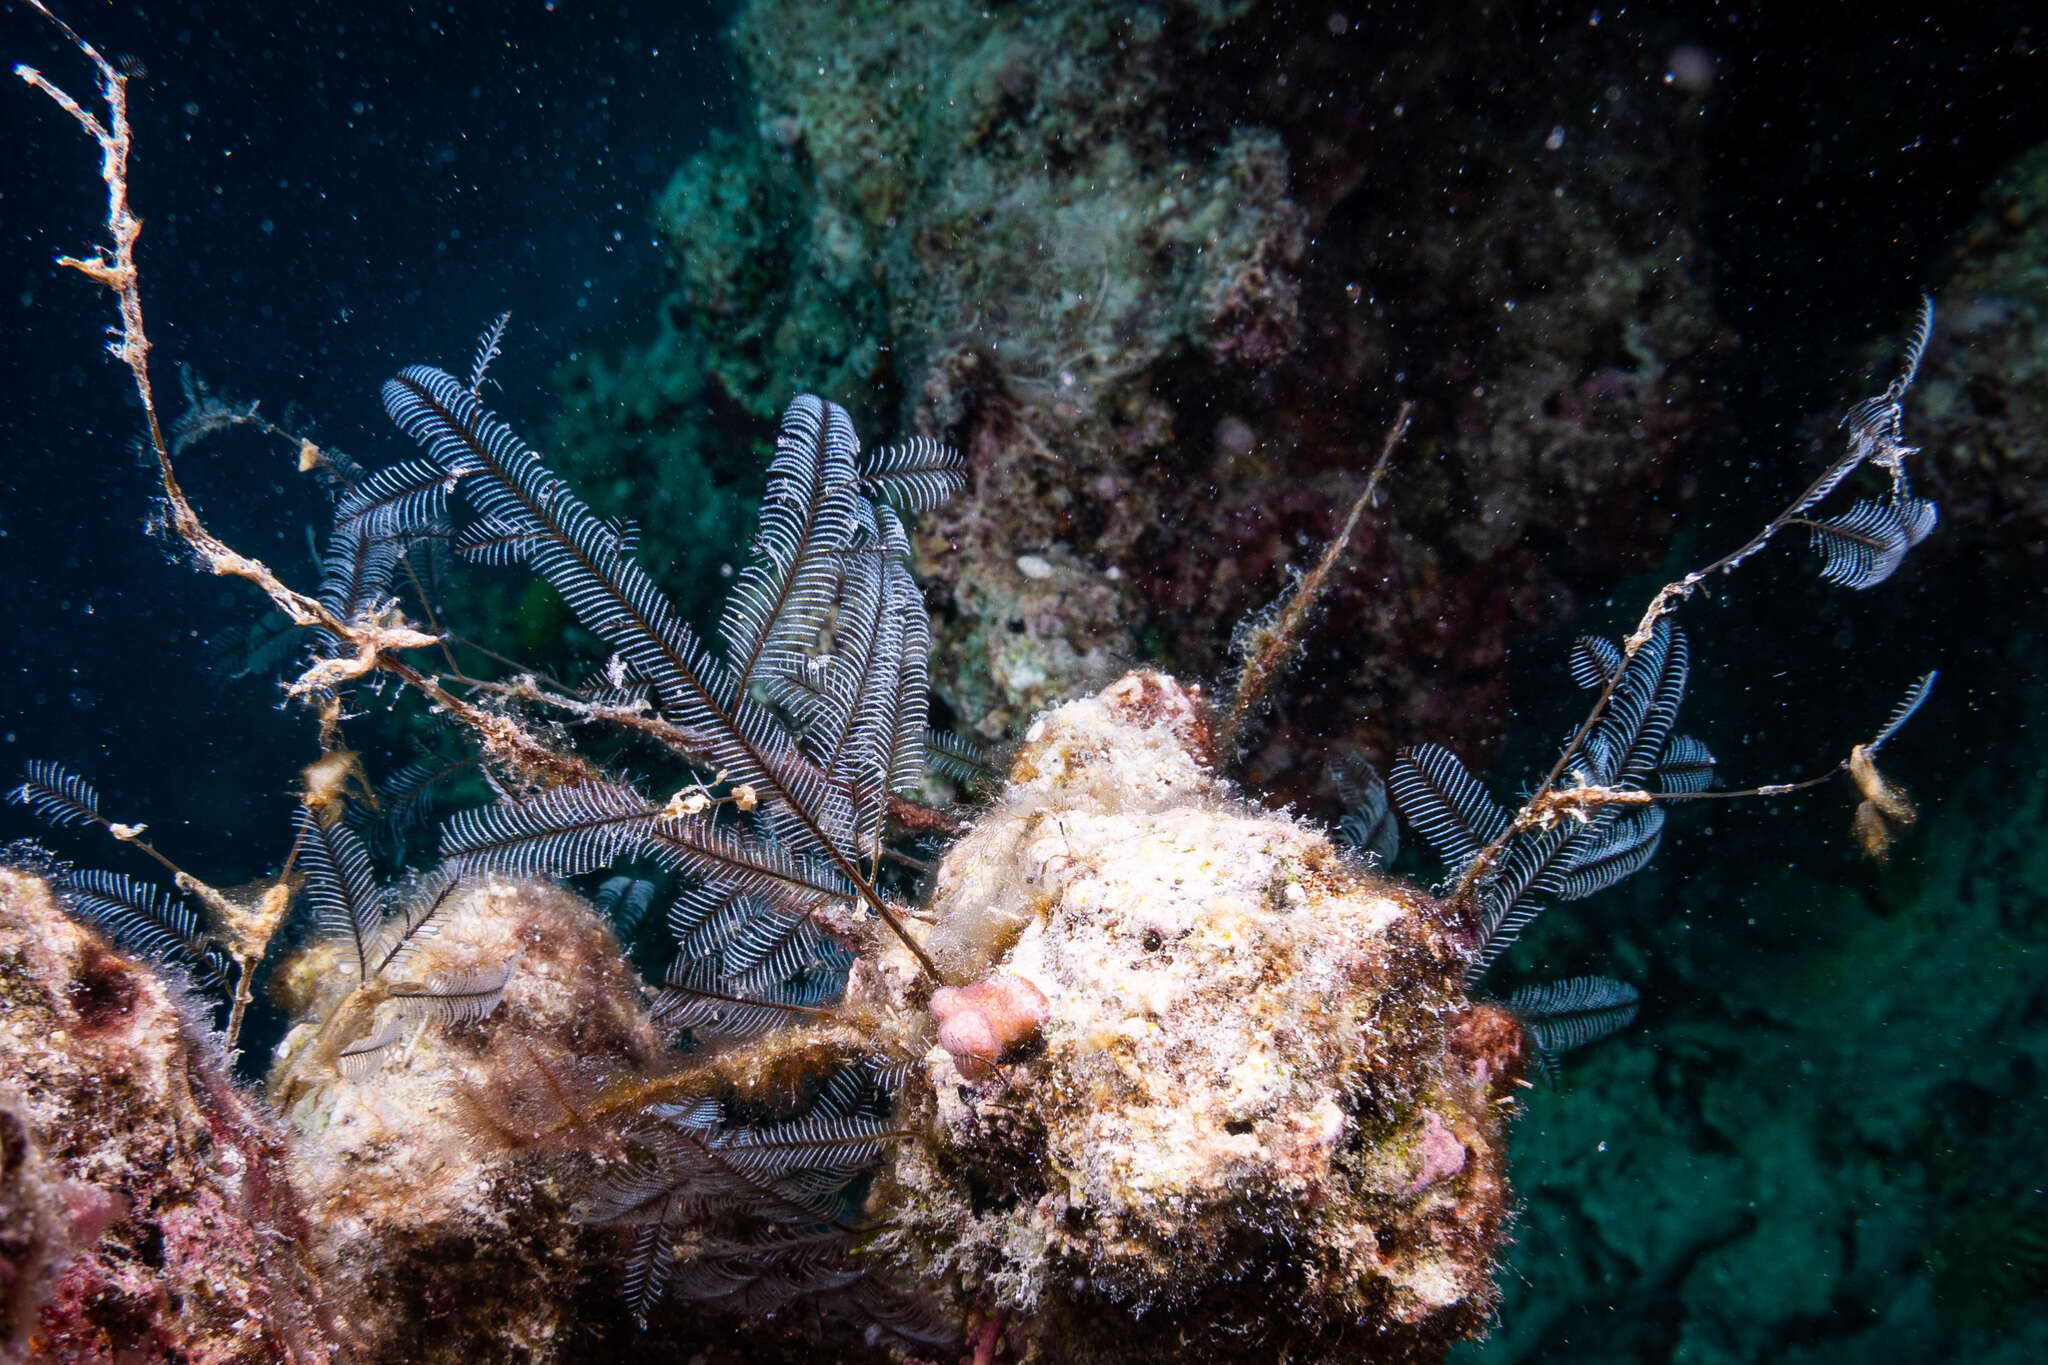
(1255, 1079)
(432, 1211)
(147, 1211)
(151, 1210)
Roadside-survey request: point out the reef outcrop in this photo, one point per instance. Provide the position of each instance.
(1201, 1062)
(434, 1210)
(1257, 1079)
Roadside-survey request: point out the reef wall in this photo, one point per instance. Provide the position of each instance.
(1167, 291)
(1985, 418)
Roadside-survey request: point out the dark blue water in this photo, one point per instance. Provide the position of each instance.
(327, 197)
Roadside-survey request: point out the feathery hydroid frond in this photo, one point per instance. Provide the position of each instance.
(341, 886)
(747, 967)
(144, 918)
(1536, 867)
(1568, 1014)
(1368, 822)
(1626, 755)
(1607, 851)
(588, 826)
(57, 795)
(360, 1060)
(1864, 545)
(417, 921)
(917, 476)
(809, 520)
(624, 901)
(1594, 661)
(961, 759)
(714, 1015)
(1916, 349)
(1445, 804)
(405, 499)
(454, 996)
(488, 347)
(1687, 766)
(1916, 697)
(563, 832)
(826, 1143)
(814, 524)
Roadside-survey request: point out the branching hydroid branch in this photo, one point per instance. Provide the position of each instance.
(367, 646)
(1886, 530)
(113, 267)
(1269, 647)
(1584, 801)
(684, 743)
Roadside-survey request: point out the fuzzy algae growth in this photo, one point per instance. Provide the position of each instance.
(426, 1171)
(1251, 1087)
(146, 1206)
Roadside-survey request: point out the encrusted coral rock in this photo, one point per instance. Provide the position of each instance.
(1241, 1094)
(145, 1209)
(429, 1214)
(151, 1211)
